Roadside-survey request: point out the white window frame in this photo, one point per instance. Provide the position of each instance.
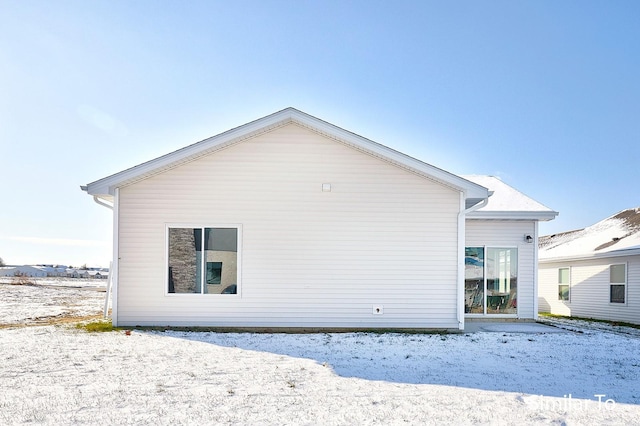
(238, 228)
(626, 287)
(567, 284)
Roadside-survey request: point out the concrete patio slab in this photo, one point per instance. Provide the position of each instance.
(510, 327)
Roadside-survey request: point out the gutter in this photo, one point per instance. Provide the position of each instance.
(85, 188)
(517, 215)
(461, 244)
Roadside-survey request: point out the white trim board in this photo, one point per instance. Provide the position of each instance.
(104, 188)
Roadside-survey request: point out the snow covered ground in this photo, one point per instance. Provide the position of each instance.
(48, 299)
(57, 374)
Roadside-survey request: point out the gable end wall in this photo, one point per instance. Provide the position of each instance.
(382, 237)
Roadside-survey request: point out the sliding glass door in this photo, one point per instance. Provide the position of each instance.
(491, 280)
(474, 280)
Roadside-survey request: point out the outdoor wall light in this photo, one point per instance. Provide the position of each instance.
(326, 187)
(528, 238)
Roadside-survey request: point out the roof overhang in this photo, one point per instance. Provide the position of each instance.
(616, 253)
(105, 188)
(513, 215)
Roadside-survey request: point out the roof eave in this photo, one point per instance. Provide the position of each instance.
(542, 216)
(470, 189)
(588, 256)
(105, 187)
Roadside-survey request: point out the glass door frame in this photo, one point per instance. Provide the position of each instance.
(485, 279)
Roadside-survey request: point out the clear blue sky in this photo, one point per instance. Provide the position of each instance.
(544, 94)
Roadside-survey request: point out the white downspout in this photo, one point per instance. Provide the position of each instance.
(535, 271)
(113, 266)
(107, 296)
(461, 245)
(116, 256)
(102, 203)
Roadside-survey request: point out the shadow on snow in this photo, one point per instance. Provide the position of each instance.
(537, 364)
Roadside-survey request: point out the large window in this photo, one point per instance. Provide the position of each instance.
(617, 283)
(491, 280)
(203, 260)
(564, 284)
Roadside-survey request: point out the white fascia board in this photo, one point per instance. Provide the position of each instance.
(105, 187)
(514, 215)
(470, 189)
(108, 184)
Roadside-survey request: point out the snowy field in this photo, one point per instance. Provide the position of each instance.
(57, 374)
(47, 300)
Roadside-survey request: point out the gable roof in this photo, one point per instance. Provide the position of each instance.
(617, 235)
(105, 187)
(506, 202)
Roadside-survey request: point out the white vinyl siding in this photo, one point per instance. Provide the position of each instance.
(381, 237)
(590, 289)
(509, 233)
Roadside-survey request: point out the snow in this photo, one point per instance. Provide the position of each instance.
(471, 326)
(591, 240)
(505, 198)
(57, 374)
(49, 298)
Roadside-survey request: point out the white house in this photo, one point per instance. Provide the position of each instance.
(99, 275)
(53, 271)
(23, 270)
(72, 273)
(593, 272)
(289, 221)
(7, 271)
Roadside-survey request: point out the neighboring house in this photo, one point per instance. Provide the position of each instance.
(72, 273)
(289, 221)
(97, 275)
(593, 272)
(23, 271)
(53, 271)
(7, 271)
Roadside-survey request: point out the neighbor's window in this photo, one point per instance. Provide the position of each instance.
(617, 283)
(563, 284)
(203, 260)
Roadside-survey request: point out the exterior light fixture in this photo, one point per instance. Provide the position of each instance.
(528, 238)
